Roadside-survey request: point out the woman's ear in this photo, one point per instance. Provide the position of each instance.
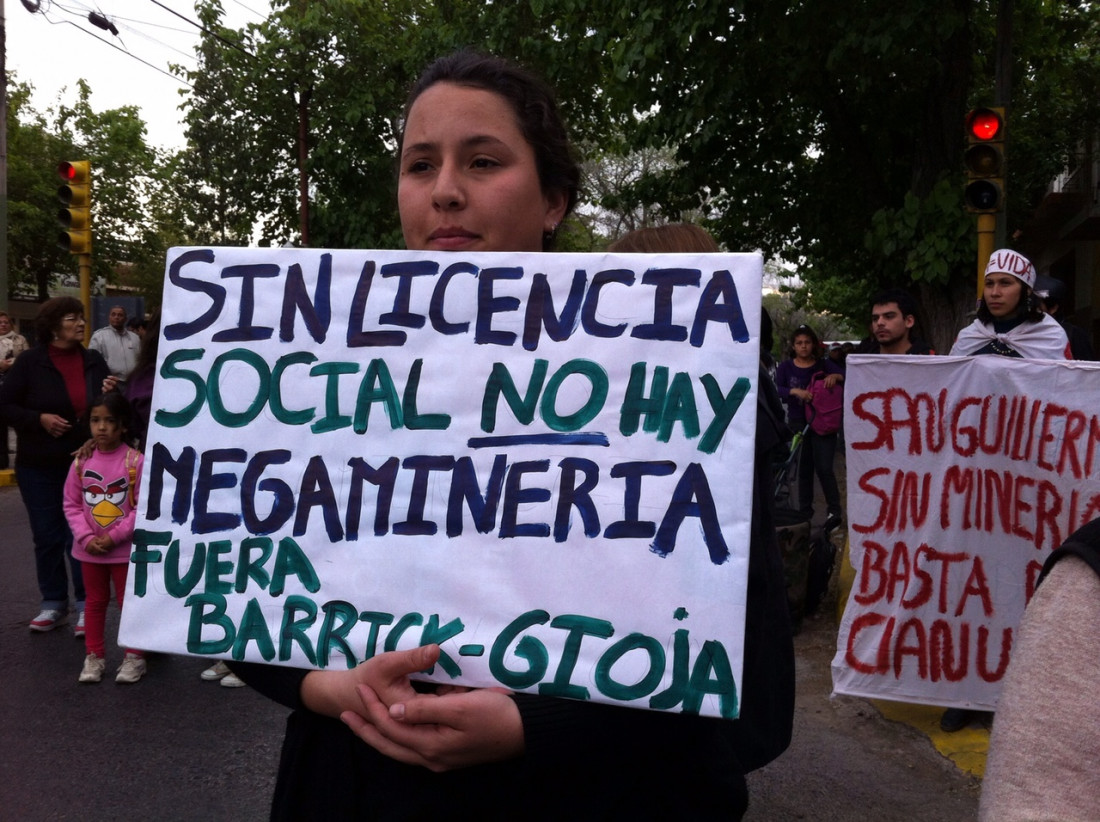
(556, 203)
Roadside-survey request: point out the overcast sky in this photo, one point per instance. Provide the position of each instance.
(53, 48)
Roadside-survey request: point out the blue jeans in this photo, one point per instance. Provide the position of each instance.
(42, 490)
(818, 453)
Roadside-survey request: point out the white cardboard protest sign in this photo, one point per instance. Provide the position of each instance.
(540, 462)
(963, 475)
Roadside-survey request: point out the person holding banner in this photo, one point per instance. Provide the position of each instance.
(1010, 323)
(1010, 320)
(793, 379)
(46, 397)
(485, 164)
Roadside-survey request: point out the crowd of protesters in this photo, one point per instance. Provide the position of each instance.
(485, 165)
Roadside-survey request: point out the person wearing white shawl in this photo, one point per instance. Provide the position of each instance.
(1010, 319)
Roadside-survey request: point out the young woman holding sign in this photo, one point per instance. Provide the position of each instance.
(485, 165)
(1011, 321)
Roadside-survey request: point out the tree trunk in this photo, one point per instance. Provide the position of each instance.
(943, 312)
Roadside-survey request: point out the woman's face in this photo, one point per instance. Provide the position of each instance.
(70, 330)
(1002, 294)
(5, 325)
(803, 346)
(468, 178)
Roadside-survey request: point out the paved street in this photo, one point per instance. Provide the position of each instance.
(170, 747)
(173, 747)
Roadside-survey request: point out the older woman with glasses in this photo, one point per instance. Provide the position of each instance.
(45, 397)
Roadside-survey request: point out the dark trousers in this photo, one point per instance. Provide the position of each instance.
(42, 490)
(817, 457)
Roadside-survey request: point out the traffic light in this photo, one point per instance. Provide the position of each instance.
(75, 217)
(985, 160)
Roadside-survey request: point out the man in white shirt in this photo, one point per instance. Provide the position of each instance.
(118, 345)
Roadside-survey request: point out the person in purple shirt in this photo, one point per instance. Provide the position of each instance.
(792, 378)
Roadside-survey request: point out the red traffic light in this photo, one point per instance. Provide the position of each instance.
(75, 217)
(984, 124)
(985, 160)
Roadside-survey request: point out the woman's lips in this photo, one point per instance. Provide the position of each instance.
(451, 238)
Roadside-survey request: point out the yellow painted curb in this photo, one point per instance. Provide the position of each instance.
(7, 477)
(966, 748)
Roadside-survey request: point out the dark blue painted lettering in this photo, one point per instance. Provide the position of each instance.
(665, 280)
(382, 477)
(488, 305)
(405, 271)
(315, 313)
(728, 312)
(245, 330)
(181, 470)
(571, 495)
(540, 310)
(516, 495)
(590, 311)
(439, 296)
(204, 520)
(317, 492)
(630, 526)
(465, 487)
(692, 498)
(422, 466)
(216, 293)
(358, 337)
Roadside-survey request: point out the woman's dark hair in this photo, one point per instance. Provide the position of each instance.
(119, 407)
(147, 353)
(1029, 306)
(530, 99)
(48, 320)
(806, 331)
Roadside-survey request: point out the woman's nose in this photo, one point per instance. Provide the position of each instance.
(448, 192)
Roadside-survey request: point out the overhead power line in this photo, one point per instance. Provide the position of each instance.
(129, 54)
(204, 29)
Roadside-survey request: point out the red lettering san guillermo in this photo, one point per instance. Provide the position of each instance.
(1057, 439)
(948, 647)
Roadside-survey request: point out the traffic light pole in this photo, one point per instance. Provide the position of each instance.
(987, 231)
(84, 267)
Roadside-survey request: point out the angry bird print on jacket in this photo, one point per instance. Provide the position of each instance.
(105, 499)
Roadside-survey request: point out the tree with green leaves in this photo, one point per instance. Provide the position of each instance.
(34, 150)
(130, 205)
(831, 133)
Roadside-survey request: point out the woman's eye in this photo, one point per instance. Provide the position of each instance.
(417, 167)
(484, 162)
